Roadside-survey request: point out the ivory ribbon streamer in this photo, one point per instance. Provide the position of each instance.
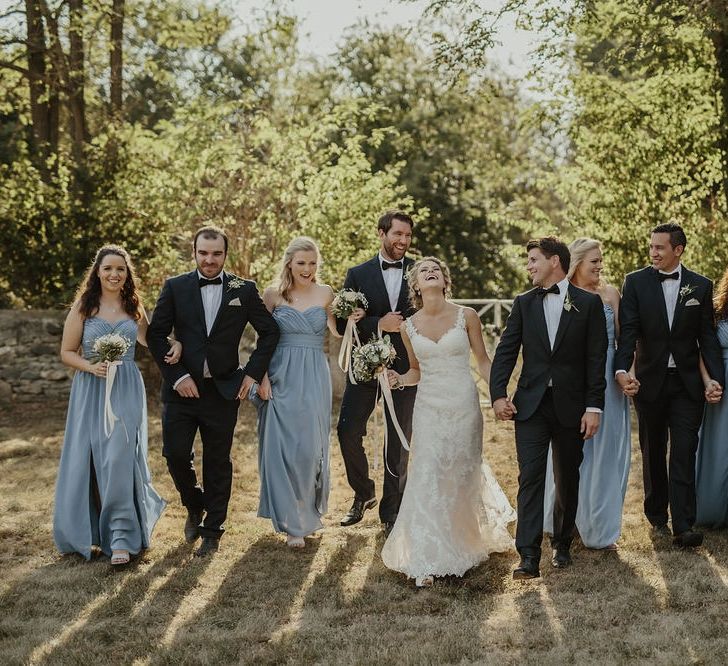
(109, 416)
(387, 396)
(347, 346)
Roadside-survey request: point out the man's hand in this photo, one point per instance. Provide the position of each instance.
(265, 391)
(504, 409)
(391, 322)
(248, 381)
(713, 391)
(628, 383)
(187, 388)
(590, 424)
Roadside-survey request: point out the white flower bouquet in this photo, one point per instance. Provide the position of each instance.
(110, 347)
(370, 359)
(346, 301)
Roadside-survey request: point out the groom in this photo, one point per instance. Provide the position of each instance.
(382, 281)
(208, 310)
(666, 315)
(560, 396)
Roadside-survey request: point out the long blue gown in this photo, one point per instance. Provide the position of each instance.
(605, 468)
(711, 482)
(294, 427)
(121, 513)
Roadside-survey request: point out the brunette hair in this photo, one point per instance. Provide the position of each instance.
(88, 295)
(210, 232)
(284, 283)
(385, 222)
(677, 235)
(550, 246)
(415, 296)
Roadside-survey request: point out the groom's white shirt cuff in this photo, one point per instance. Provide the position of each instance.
(177, 383)
(594, 410)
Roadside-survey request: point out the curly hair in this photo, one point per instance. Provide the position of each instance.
(415, 297)
(720, 299)
(89, 291)
(284, 283)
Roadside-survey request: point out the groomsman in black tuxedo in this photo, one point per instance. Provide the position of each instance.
(208, 309)
(562, 333)
(666, 316)
(382, 281)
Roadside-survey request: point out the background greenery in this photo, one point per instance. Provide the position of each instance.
(133, 121)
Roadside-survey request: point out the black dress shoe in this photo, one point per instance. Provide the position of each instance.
(209, 545)
(561, 558)
(661, 530)
(356, 513)
(528, 568)
(387, 527)
(688, 539)
(192, 524)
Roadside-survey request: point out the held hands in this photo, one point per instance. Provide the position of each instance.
(357, 315)
(713, 391)
(187, 388)
(175, 352)
(264, 390)
(628, 383)
(391, 322)
(590, 424)
(98, 369)
(248, 381)
(504, 409)
(394, 379)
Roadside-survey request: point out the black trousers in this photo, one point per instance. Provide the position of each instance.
(676, 415)
(215, 418)
(356, 407)
(533, 437)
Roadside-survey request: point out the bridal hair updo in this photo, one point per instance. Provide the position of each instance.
(415, 296)
(578, 249)
(88, 295)
(720, 300)
(284, 282)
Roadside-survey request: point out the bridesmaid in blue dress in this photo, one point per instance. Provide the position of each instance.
(104, 496)
(711, 480)
(294, 413)
(605, 468)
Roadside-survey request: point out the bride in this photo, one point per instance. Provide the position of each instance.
(453, 512)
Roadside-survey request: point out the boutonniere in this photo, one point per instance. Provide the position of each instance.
(686, 291)
(569, 304)
(235, 282)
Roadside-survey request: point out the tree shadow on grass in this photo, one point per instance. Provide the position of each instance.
(253, 601)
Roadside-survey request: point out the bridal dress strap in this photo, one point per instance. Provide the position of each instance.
(460, 321)
(411, 330)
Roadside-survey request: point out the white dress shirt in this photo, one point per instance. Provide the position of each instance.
(670, 290)
(392, 281)
(553, 310)
(211, 299)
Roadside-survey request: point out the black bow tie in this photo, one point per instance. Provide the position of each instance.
(393, 264)
(553, 289)
(668, 276)
(204, 281)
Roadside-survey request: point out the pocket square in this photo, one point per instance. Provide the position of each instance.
(235, 301)
(692, 301)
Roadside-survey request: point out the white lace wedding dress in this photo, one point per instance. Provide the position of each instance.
(453, 512)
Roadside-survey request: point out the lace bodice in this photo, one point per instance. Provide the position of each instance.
(445, 358)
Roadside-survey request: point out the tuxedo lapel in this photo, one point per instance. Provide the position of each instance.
(403, 300)
(377, 282)
(197, 298)
(659, 296)
(226, 298)
(685, 280)
(540, 319)
(565, 318)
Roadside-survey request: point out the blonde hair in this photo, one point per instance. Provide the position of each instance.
(578, 250)
(415, 296)
(284, 282)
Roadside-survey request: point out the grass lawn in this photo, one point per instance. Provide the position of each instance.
(334, 602)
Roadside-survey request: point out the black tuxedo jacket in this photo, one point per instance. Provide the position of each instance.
(367, 278)
(644, 328)
(576, 366)
(180, 308)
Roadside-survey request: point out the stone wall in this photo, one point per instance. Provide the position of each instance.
(31, 368)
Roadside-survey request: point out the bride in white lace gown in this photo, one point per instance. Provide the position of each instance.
(453, 512)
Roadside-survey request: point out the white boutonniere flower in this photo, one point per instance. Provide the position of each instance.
(235, 282)
(569, 304)
(686, 291)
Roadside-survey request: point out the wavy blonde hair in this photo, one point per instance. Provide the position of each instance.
(284, 282)
(720, 299)
(415, 296)
(578, 250)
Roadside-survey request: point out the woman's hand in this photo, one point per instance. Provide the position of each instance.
(264, 389)
(357, 315)
(394, 379)
(175, 353)
(98, 369)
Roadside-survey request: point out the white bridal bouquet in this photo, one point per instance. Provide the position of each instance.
(110, 348)
(346, 301)
(370, 359)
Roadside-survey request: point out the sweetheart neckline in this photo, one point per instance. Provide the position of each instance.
(285, 305)
(455, 326)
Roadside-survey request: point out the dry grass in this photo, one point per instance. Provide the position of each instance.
(259, 602)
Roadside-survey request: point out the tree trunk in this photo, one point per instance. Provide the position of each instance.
(76, 81)
(116, 58)
(38, 85)
(719, 37)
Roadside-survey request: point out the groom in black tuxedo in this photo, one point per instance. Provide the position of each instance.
(382, 281)
(208, 309)
(560, 396)
(666, 316)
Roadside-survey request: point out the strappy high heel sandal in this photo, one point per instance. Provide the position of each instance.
(119, 557)
(295, 542)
